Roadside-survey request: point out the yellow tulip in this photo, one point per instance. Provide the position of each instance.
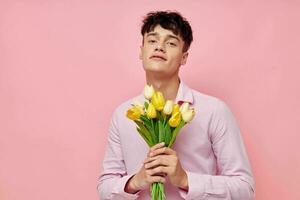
(184, 107)
(158, 101)
(188, 115)
(148, 91)
(176, 109)
(139, 106)
(151, 112)
(133, 113)
(168, 108)
(175, 119)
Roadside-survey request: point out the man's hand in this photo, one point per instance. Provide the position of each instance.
(164, 161)
(144, 178)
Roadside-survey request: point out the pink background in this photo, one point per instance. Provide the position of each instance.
(65, 66)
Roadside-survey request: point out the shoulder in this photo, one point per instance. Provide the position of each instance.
(218, 110)
(212, 103)
(219, 116)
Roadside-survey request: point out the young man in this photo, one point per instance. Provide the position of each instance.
(208, 160)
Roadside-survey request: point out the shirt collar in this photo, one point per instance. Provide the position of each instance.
(184, 94)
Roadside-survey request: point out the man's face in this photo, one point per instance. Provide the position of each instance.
(162, 52)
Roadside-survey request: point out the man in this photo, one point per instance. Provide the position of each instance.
(208, 159)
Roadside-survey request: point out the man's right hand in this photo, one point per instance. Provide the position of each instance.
(142, 180)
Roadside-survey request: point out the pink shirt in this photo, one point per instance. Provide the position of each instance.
(210, 149)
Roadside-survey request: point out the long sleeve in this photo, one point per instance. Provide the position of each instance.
(113, 179)
(234, 180)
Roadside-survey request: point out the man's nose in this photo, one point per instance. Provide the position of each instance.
(160, 47)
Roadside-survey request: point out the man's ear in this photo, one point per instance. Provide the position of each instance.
(184, 58)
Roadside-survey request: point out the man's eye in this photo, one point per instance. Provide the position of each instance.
(172, 44)
(152, 41)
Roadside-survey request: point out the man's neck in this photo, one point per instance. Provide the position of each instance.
(168, 86)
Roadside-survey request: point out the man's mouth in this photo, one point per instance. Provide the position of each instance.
(160, 58)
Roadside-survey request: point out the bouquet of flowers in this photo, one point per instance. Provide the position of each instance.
(159, 121)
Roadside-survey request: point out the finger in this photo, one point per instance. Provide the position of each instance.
(158, 170)
(160, 174)
(157, 161)
(157, 146)
(162, 150)
(150, 159)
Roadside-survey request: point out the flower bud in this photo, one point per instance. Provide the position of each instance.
(176, 108)
(168, 108)
(148, 91)
(184, 107)
(151, 112)
(158, 101)
(133, 113)
(188, 115)
(175, 119)
(139, 106)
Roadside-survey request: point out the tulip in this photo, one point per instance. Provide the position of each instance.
(175, 119)
(148, 91)
(168, 108)
(175, 109)
(133, 113)
(158, 101)
(188, 115)
(139, 106)
(151, 112)
(184, 107)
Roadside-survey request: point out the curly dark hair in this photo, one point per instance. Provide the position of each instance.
(172, 21)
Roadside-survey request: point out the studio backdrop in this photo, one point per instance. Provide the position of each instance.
(65, 65)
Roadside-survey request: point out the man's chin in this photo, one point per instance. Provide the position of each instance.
(155, 70)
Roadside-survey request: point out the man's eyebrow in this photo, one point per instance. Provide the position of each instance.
(168, 36)
(151, 34)
(172, 36)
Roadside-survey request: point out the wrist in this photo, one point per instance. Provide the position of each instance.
(130, 186)
(184, 182)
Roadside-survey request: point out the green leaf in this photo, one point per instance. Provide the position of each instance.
(144, 118)
(155, 130)
(161, 132)
(149, 126)
(159, 116)
(168, 134)
(175, 132)
(145, 132)
(146, 104)
(143, 136)
(146, 121)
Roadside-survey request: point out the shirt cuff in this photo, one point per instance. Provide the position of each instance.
(120, 188)
(196, 187)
